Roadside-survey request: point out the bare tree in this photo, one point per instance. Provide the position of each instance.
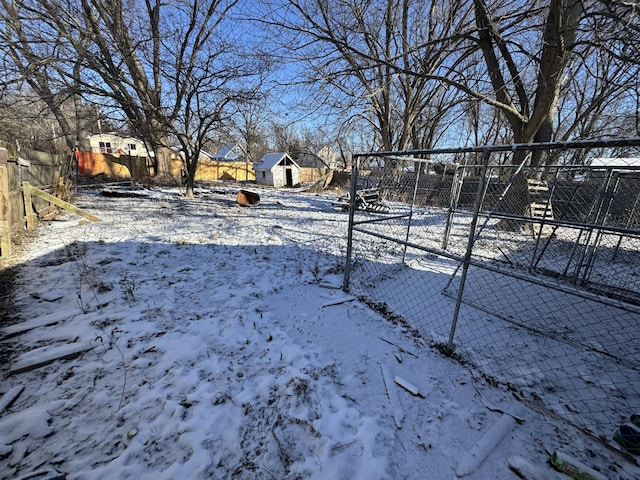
(250, 125)
(539, 59)
(397, 57)
(373, 60)
(579, 55)
(29, 58)
(168, 69)
(530, 108)
(597, 100)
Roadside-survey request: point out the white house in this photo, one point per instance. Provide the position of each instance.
(329, 157)
(113, 144)
(277, 170)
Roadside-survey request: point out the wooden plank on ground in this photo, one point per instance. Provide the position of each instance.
(409, 387)
(46, 355)
(18, 328)
(10, 397)
(339, 301)
(61, 203)
(396, 407)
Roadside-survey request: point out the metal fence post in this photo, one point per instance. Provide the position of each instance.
(413, 203)
(471, 239)
(352, 208)
(456, 189)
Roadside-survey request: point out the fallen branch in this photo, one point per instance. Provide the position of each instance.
(399, 347)
(396, 408)
(339, 301)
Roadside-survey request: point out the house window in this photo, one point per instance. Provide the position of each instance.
(264, 174)
(132, 147)
(105, 147)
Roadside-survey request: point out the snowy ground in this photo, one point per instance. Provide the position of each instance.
(209, 342)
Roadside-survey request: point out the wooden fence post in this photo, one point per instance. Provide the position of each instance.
(28, 206)
(5, 227)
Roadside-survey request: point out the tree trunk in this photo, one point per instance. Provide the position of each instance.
(190, 178)
(561, 28)
(163, 162)
(544, 134)
(189, 187)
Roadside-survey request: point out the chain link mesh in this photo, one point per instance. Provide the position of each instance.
(545, 299)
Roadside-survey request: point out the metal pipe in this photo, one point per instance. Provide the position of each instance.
(598, 143)
(352, 209)
(470, 243)
(413, 202)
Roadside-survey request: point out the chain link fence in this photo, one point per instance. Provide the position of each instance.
(530, 274)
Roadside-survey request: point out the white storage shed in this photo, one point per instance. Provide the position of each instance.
(277, 170)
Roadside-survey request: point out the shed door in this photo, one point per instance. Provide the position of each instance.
(289, 175)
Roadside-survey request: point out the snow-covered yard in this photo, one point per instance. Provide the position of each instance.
(207, 340)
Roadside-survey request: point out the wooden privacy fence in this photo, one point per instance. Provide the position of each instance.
(5, 230)
(32, 185)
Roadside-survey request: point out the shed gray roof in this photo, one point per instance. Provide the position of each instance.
(270, 160)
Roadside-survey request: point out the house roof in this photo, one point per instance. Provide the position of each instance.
(119, 145)
(177, 149)
(311, 160)
(270, 160)
(616, 162)
(230, 152)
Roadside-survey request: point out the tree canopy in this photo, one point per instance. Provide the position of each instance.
(401, 74)
(168, 69)
(419, 70)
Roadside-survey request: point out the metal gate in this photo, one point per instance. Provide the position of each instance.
(531, 274)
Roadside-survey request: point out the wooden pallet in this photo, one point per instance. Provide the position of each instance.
(540, 208)
(369, 200)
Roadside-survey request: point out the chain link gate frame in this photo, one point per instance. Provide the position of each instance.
(530, 274)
